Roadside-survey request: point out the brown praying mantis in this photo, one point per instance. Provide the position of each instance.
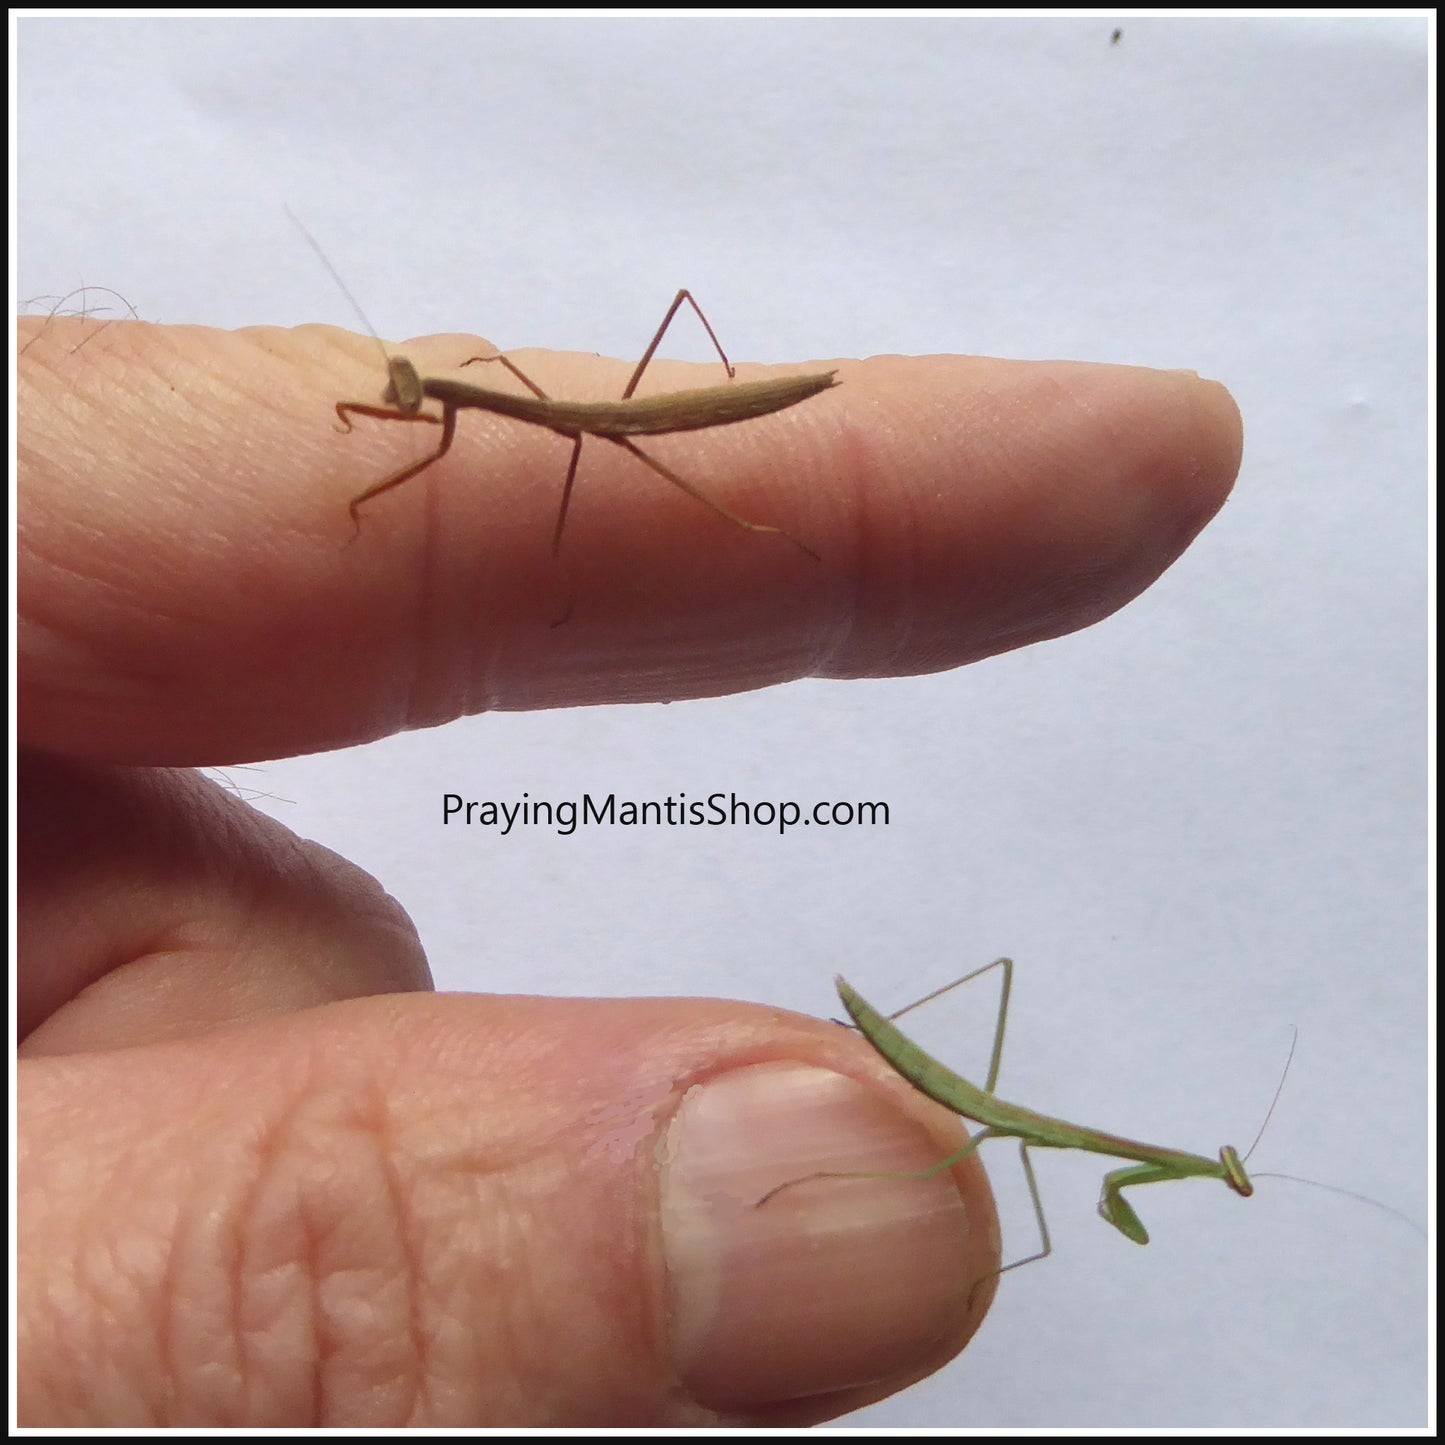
(614, 421)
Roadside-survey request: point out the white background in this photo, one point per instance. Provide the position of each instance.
(1194, 825)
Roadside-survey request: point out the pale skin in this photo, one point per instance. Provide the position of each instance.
(239, 1100)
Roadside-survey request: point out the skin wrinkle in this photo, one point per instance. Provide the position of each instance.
(315, 1250)
(246, 1366)
(362, 1136)
(442, 670)
(107, 1280)
(168, 1327)
(387, 1155)
(901, 617)
(204, 1366)
(315, 1313)
(251, 1228)
(850, 446)
(312, 1128)
(863, 572)
(315, 1212)
(95, 1280)
(428, 614)
(511, 1331)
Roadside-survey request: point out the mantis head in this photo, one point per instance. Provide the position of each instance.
(1234, 1174)
(1116, 1210)
(403, 385)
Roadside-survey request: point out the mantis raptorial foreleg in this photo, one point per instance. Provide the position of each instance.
(447, 421)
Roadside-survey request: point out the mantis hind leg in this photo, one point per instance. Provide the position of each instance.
(566, 502)
(921, 1175)
(641, 455)
(996, 1055)
(683, 295)
(1046, 1245)
(706, 500)
(567, 486)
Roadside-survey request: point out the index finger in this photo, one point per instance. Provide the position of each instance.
(190, 589)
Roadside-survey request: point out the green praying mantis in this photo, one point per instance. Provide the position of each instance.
(1152, 1163)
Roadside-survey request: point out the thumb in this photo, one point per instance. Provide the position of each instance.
(420, 1210)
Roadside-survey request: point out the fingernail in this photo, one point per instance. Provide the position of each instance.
(831, 1283)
